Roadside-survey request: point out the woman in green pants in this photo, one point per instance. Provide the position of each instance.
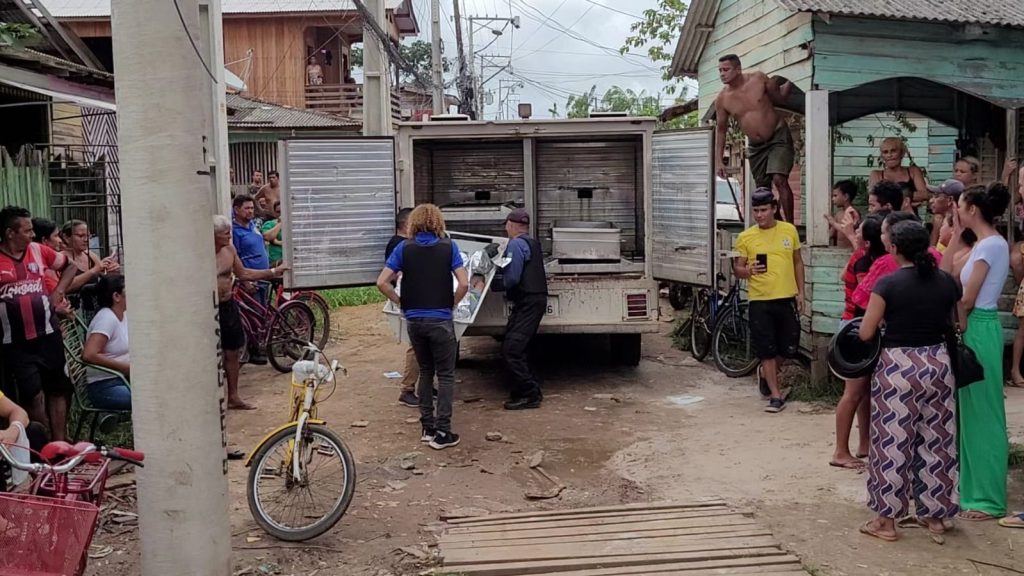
(981, 414)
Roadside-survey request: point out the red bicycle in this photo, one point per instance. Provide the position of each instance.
(47, 530)
(317, 304)
(274, 330)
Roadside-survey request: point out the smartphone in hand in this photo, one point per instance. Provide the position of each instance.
(762, 261)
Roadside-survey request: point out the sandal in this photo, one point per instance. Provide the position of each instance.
(1013, 521)
(851, 465)
(985, 517)
(867, 530)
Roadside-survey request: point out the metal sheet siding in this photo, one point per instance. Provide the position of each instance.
(683, 207)
(459, 171)
(339, 210)
(608, 169)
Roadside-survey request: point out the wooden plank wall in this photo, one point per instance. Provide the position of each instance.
(853, 51)
(765, 36)
(932, 146)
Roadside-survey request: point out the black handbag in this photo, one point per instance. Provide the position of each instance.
(966, 368)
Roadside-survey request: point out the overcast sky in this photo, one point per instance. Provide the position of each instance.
(550, 63)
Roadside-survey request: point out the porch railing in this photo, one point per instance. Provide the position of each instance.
(344, 100)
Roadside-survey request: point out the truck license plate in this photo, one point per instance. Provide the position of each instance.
(552, 309)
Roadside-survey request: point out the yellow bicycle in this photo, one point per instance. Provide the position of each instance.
(301, 474)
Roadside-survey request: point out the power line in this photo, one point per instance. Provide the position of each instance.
(193, 43)
(528, 38)
(553, 38)
(606, 7)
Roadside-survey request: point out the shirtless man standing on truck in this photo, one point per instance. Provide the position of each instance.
(751, 99)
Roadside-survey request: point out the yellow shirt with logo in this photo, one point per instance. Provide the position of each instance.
(778, 242)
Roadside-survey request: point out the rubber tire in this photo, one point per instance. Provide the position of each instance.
(331, 519)
(725, 318)
(700, 309)
(318, 305)
(679, 296)
(284, 364)
(626, 348)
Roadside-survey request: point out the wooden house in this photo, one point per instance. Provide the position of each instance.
(268, 44)
(958, 64)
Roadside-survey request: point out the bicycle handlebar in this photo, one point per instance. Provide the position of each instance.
(87, 453)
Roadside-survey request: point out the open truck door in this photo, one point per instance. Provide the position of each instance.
(683, 206)
(338, 208)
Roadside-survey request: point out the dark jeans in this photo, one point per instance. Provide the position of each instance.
(110, 394)
(523, 322)
(435, 345)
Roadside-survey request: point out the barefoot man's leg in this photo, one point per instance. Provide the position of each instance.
(231, 370)
(785, 193)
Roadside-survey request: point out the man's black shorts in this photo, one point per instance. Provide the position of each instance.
(37, 365)
(774, 328)
(232, 335)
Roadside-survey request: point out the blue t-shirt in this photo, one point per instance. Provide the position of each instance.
(394, 263)
(249, 244)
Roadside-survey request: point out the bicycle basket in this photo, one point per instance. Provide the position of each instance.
(42, 536)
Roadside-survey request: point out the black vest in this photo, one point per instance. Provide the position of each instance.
(427, 276)
(533, 280)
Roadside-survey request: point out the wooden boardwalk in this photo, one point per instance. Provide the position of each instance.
(693, 539)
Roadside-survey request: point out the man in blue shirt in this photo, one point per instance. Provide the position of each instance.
(427, 263)
(248, 240)
(526, 289)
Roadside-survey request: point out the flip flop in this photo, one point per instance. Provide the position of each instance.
(861, 456)
(236, 455)
(1013, 521)
(866, 529)
(1015, 383)
(854, 465)
(986, 518)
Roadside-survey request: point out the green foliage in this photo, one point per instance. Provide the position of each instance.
(578, 106)
(18, 35)
(657, 32)
(341, 297)
(416, 53)
(618, 99)
(897, 124)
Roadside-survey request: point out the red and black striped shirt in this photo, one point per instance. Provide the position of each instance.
(25, 312)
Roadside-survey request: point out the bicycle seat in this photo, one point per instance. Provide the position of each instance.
(55, 450)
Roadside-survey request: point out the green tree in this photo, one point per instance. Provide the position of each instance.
(18, 35)
(416, 53)
(578, 105)
(658, 32)
(618, 99)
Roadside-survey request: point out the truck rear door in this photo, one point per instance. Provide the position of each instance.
(683, 206)
(338, 209)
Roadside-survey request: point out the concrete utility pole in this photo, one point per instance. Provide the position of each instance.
(212, 29)
(465, 88)
(177, 398)
(471, 59)
(376, 90)
(435, 57)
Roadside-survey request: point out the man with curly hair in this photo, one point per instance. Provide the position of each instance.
(427, 261)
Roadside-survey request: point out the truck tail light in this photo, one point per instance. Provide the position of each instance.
(636, 306)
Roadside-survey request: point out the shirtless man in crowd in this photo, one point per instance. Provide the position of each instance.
(751, 98)
(268, 195)
(232, 338)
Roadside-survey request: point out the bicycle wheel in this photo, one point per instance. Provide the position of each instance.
(733, 352)
(321, 317)
(290, 328)
(700, 325)
(294, 509)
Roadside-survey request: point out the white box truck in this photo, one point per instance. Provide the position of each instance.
(616, 206)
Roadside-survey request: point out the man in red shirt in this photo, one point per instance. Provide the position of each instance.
(30, 339)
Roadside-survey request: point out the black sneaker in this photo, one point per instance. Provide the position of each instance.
(428, 435)
(775, 405)
(527, 403)
(409, 399)
(444, 440)
(762, 383)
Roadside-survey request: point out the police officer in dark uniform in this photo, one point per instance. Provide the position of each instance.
(526, 289)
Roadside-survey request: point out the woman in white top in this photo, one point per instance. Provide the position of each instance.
(981, 414)
(106, 345)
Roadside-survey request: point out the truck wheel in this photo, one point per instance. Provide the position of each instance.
(625, 349)
(679, 296)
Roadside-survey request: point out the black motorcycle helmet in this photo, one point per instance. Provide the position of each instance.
(850, 357)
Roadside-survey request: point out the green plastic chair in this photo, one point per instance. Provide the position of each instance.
(75, 331)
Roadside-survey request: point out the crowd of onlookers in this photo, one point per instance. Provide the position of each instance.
(925, 435)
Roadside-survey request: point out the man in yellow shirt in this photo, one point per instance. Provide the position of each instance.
(770, 262)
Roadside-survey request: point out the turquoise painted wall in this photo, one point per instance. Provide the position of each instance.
(852, 51)
(932, 146)
(765, 36)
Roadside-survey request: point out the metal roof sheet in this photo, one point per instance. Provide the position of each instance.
(249, 113)
(989, 12)
(101, 8)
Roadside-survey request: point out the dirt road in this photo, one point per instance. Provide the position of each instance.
(633, 441)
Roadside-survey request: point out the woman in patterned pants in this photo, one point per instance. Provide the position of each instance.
(913, 420)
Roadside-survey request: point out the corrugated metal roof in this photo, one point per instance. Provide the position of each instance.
(249, 113)
(101, 8)
(990, 12)
(700, 19)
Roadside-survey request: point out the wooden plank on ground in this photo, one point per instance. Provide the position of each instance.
(734, 521)
(582, 516)
(774, 565)
(530, 567)
(696, 515)
(700, 503)
(695, 533)
(489, 554)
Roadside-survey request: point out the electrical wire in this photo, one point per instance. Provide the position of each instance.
(616, 10)
(528, 38)
(553, 38)
(195, 48)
